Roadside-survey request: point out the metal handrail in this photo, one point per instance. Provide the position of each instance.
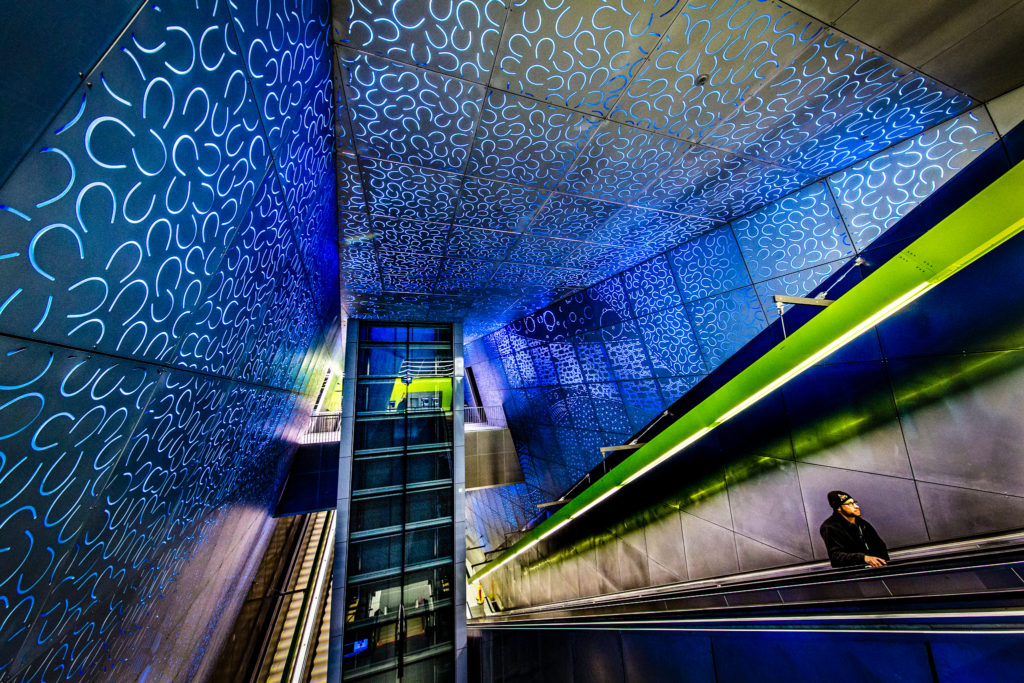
(426, 368)
(323, 428)
(490, 415)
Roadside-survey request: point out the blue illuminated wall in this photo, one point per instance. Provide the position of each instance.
(495, 157)
(168, 288)
(593, 369)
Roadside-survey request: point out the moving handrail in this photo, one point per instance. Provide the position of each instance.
(986, 570)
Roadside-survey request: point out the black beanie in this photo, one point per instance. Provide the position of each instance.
(837, 498)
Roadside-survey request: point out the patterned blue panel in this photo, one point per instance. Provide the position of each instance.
(111, 228)
(526, 142)
(795, 233)
(826, 82)
(408, 272)
(800, 283)
(262, 260)
(725, 323)
(651, 286)
(568, 446)
(518, 339)
(568, 279)
(558, 409)
(735, 45)
(671, 343)
(403, 234)
(543, 366)
(660, 231)
(578, 56)
(502, 341)
(563, 354)
(458, 38)
(918, 103)
(409, 192)
(590, 442)
(571, 217)
(625, 350)
(710, 264)
(285, 55)
(642, 401)
(508, 363)
(497, 205)
(593, 358)
(409, 115)
(607, 402)
(683, 188)
(749, 187)
(608, 301)
(540, 250)
(59, 411)
(306, 159)
(877, 192)
(620, 161)
(359, 271)
(351, 198)
(492, 245)
(527, 373)
(286, 332)
(673, 388)
(598, 259)
(460, 274)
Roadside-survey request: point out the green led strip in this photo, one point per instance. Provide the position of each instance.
(993, 216)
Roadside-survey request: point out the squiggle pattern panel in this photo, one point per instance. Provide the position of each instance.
(797, 232)
(733, 45)
(452, 37)
(414, 116)
(169, 258)
(631, 127)
(877, 192)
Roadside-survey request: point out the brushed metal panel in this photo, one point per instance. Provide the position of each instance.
(666, 555)
(823, 10)
(969, 435)
(1007, 110)
(710, 549)
(954, 512)
(755, 555)
(632, 549)
(711, 503)
(767, 506)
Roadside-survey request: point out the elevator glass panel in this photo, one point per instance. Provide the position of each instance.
(399, 621)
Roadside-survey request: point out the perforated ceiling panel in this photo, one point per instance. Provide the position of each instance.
(493, 158)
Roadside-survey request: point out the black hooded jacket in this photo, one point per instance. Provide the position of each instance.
(848, 543)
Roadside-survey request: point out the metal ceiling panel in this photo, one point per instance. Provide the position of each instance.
(579, 55)
(523, 141)
(497, 205)
(619, 161)
(410, 115)
(712, 55)
(491, 159)
(457, 37)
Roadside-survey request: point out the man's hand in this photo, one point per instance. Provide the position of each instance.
(874, 561)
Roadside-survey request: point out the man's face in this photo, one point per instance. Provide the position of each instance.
(850, 508)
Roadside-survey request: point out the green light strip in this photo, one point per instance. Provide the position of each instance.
(993, 216)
